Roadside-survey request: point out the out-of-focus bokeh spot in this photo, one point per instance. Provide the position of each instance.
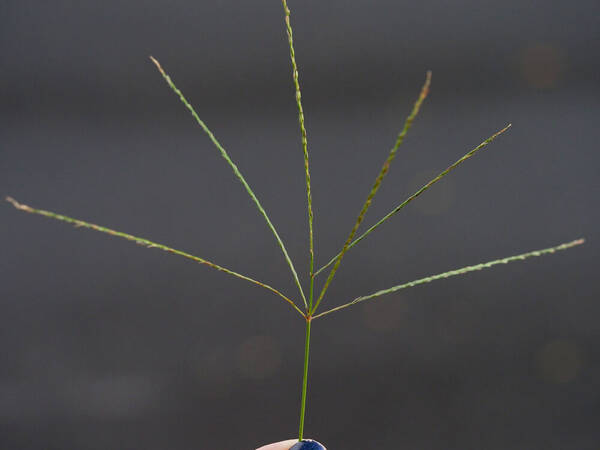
(259, 357)
(384, 314)
(542, 65)
(436, 200)
(559, 361)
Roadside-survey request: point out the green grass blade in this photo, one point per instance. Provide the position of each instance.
(146, 243)
(456, 272)
(303, 136)
(416, 194)
(383, 172)
(236, 171)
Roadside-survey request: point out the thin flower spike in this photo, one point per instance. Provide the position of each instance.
(146, 243)
(383, 172)
(419, 192)
(456, 272)
(304, 142)
(236, 171)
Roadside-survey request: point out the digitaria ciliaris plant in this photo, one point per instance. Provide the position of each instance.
(307, 302)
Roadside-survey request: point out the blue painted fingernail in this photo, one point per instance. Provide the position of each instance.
(308, 444)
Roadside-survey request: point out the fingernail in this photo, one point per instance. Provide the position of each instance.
(308, 444)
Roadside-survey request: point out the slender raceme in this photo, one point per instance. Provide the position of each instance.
(416, 194)
(382, 173)
(304, 139)
(295, 76)
(453, 273)
(236, 171)
(312, 302)
(146, 243)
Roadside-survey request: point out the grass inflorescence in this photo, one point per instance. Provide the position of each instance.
(308, 306)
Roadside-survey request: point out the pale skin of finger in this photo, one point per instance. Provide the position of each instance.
(283, 445)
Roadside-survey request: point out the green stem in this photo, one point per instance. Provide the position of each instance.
(304, 379)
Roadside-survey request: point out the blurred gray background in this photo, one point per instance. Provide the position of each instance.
(107, 345)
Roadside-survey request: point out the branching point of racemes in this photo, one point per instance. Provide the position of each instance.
(146, 243)
(453, 273)
(237, 173)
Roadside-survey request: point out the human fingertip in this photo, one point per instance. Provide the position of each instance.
(308, 444)
(283, 445)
